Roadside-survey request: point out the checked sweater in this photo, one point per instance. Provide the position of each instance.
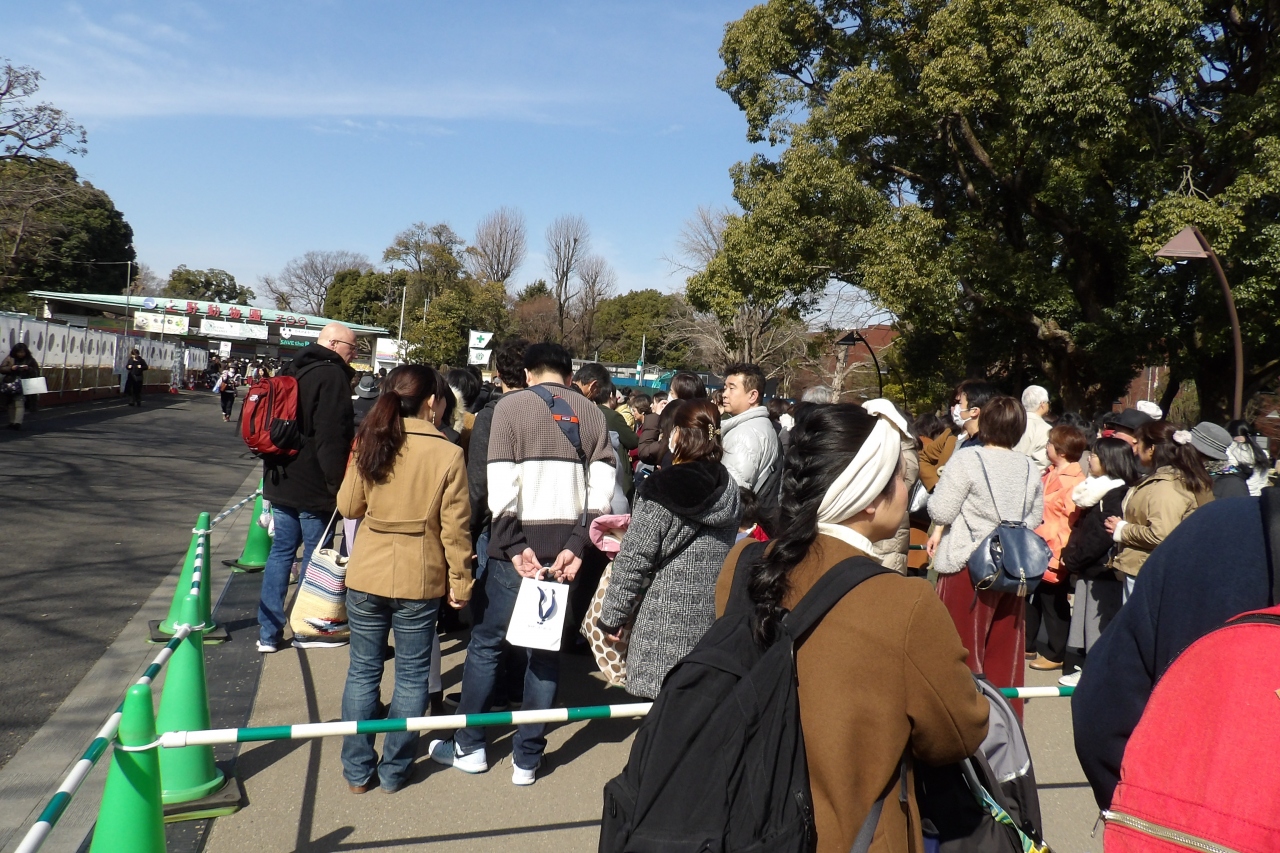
(537, 487)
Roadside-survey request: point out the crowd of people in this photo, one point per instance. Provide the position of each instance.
(455, 492)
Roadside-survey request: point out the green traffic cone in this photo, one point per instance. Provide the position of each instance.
(184, 579)
(131, 816)
(187, 773)
(256, 546)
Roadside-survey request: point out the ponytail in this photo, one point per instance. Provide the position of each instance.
(382, 432)
(824, 441)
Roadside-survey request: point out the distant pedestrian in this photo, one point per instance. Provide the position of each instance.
(228, 383)
(1177, 486)
(685, 521)
(1035, 439)
(364, 398)
(980, 487)
(1213, 442)
(1098, 592)
(135, 373)
(752, 452)
(303, 489)
(540, 494)
(18, 366)
(409, 487)
(653, 433)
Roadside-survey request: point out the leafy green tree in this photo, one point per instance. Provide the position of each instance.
(212, 285)
(434, 257)
(58, 233)
(536, 290)
(641, 316)
(442, 337)
(998, 174)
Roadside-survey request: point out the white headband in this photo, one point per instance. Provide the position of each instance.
(864, 479)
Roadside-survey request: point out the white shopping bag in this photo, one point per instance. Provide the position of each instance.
(34, 386)
(537, 621)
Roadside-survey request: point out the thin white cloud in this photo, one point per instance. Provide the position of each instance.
(129, 67)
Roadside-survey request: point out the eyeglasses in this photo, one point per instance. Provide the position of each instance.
(337, 341)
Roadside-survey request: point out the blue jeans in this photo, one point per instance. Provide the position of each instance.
(294, 527)
(480, 673)
(372, 617)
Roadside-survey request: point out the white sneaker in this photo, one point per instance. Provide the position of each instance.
(1071, 680)
(522, 777)
(267, 648)
(444, 752)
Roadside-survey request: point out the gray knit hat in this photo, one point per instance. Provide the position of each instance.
(1211, 440)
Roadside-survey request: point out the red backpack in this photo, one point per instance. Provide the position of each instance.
(269, 416)
(1197, 772)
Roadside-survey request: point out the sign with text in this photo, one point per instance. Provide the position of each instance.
(239, 331)
(224, 348)
(289, 333)
(479, 340)
(161, 323)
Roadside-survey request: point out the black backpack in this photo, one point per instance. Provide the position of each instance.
(719, 763)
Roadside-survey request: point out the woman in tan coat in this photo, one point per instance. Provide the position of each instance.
(409, 485)
(883, 674)
(1178, 486)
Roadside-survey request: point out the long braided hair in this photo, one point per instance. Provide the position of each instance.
(824, 441)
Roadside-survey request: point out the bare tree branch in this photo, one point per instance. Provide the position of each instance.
(32, 130)
(304, 282)
(568, 240)
(500, 246)
(597, 282)
(700, 240)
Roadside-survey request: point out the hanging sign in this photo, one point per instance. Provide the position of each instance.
(239, 331)
(163, 323)
(479, 340)
(479, 356)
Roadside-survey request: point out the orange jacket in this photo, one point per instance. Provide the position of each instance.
(1059, 512)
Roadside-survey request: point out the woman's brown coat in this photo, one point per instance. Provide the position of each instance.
(415, 531)
(1152, 509)
(883, 670)
(933, 457)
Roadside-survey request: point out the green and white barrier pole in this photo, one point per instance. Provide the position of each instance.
(305, 731)
(57, 804)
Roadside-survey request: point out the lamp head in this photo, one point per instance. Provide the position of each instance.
(1185, 244)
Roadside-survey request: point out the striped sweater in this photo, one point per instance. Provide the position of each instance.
(536, 488)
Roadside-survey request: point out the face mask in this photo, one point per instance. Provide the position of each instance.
(956, 417)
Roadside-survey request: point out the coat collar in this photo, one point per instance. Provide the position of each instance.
(417, 426)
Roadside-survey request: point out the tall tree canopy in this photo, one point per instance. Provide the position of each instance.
(212, 285)
(641, 317)
(999, 174)
(58, 233)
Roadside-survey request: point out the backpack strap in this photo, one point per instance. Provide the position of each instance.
(739, 596)
(567, 420)
(838, 582)
(1270, 501)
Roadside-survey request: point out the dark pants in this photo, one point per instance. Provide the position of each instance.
(228, 402)
(480, 672)
(133, 387)
(1049, 606)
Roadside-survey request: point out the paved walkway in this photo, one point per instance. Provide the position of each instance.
(99, 500)
(298, 800)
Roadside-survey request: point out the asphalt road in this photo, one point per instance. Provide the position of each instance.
(98, 504)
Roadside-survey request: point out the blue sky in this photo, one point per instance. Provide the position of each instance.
(241, 134)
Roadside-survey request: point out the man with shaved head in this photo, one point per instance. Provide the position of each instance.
(303, 489)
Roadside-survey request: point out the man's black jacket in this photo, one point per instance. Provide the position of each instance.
(326, 420)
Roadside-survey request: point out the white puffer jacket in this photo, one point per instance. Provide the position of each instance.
(750, 447)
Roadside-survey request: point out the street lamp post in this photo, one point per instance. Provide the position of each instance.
(1190, 243)
(855, 337)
